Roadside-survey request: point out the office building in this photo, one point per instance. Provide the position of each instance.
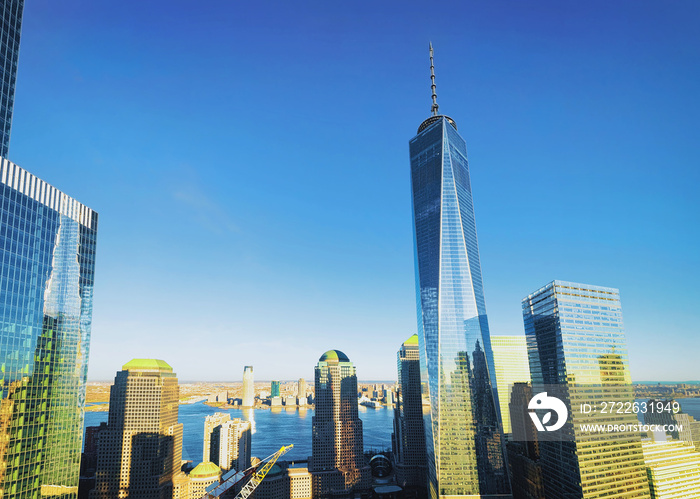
(673, 468)
(248, 387)
(463, 435)
(274, 389)
(47, 263)
(523, 449)
(301, 390)
(140, 452)
(285, 482)
(193, 485)
(337, 464)
(10, 28)
(512, 366)
(408, 440)
(576, 345)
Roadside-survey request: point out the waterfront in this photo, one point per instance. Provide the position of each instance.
(272, 428)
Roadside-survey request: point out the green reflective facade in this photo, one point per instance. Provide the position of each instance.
(47, 247)
(576, 342)
(464, 439)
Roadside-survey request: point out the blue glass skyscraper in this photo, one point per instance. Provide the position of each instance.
(576, 345)
(47, 261)
(10, 28)
(463, 430)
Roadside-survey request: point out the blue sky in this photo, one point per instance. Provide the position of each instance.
(249, 162)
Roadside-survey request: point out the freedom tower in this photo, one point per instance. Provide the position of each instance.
(464, 438)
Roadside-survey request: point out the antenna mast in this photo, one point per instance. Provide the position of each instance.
(434, 107)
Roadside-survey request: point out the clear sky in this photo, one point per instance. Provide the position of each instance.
(249, 162)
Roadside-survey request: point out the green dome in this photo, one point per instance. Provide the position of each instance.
(334, 356)
(147, 365)
(275, 470)
(205, 470)
(413, 340)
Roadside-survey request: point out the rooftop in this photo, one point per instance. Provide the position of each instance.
(203, 470)
(413, 340)
(334, 356)
(147, 365)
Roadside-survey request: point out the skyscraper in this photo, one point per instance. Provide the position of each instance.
(301, 392)
(463, 433)
(337, 464)
(576, 344)
(409, 431)
(248, 387)
(47, 263)
(673, 468)
(212, 423)
(512, 366)
(274, 388)
(141, 450)
(227, 442)
(10, 28)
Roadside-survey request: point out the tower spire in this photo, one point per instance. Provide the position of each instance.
(434, 107)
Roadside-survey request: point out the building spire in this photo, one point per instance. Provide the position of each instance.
(434, 107)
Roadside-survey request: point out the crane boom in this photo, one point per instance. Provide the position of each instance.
(256, 474)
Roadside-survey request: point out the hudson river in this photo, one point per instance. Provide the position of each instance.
(273, 429)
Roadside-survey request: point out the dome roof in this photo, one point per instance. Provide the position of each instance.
(275, 470)
(334, 356)
(413, 340)
(203, 470)
(147, 365)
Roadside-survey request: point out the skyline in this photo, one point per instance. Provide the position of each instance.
(250, 269)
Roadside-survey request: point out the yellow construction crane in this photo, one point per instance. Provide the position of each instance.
(254, 475)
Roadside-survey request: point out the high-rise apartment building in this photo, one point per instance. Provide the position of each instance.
(409, 432)
(274, 388)
(248, 387)
(337, 464)
(227, 442)
(212, 424)
(10, 28)
(47, 263)
(512, 366)
(673, 468)
(141, 450)
(576, 344)
(464, 439)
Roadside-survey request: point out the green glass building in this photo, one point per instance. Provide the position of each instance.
(47, 252)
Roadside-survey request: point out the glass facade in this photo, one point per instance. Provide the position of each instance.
(463, 431)
(408, 440)
(576, 341)
(47, 246)
(512, 366)
(10, 28)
